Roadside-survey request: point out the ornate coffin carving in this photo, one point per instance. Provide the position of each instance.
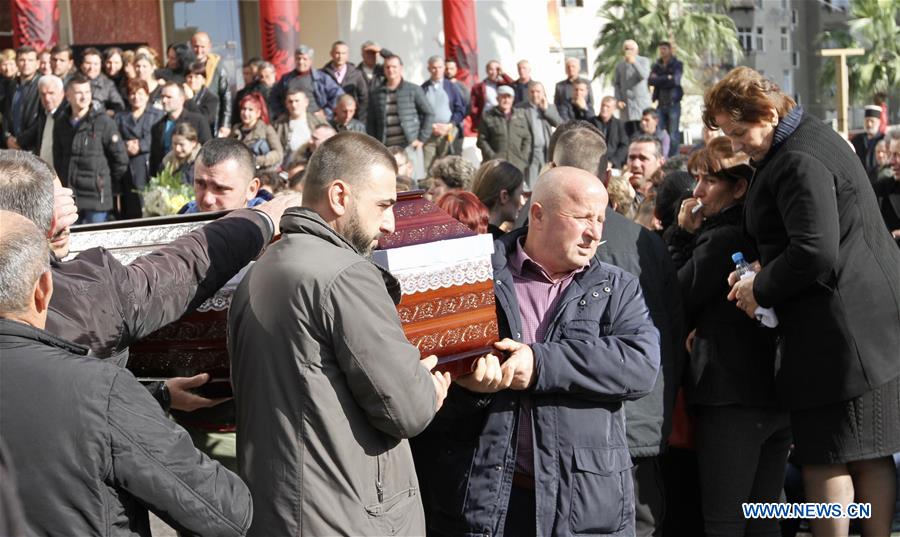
(195, 343)
(444, 271)
(447, 305)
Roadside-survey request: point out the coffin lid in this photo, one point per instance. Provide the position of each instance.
(426, 236)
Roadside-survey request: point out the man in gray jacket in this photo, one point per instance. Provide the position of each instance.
(327, 388)
(630, 84)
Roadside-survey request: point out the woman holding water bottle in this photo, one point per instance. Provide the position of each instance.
(832, 273)
(742, 437)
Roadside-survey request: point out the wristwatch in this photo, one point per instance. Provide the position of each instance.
(165, 398)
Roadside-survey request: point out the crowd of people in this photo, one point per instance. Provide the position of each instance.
(634, 390)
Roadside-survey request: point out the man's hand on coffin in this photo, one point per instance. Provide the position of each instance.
(486, 376)
(65, 213)
(187, 401)
(275, 207)
(520, 361)
(441, 380)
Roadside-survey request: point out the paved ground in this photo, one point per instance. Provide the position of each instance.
(158, 528)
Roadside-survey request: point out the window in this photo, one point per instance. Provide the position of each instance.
(794, 17)
(785, 40)
(745, 37)
(795, 60)
(788, 85)
(572, 3)
(784, 4)
(760, 39)
(221, 19)
(581, 55)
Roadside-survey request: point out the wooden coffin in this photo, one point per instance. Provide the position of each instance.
(195, 343)
(444, 269)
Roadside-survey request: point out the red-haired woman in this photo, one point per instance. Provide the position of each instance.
(256, 133)
(467, 208)
(830, 269)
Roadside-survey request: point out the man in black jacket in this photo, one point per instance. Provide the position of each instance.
(104, 305)
(88, 153)
(399, 114)
(216, 79)
(102, 451)
(641, 252)
(173, 100)
(349, 78)
(21, 105)
(203, 101)
(614, 132)
(565, 90)
(53, 107)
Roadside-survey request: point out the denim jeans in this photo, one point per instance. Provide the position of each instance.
(670, 120)
(86, 216)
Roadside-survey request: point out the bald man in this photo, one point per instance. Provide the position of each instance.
(216, 79)
(536, 446)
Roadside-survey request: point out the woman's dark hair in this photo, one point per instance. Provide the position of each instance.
(184, 57)
(136, 84)
(493, 177)
(108, 53)
(716, 155)
(675, 188)
(197, 68)
(275, 180)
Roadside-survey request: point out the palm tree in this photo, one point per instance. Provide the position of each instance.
(873, 26)
(699, 28)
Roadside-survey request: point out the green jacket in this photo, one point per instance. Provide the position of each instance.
(508, 139)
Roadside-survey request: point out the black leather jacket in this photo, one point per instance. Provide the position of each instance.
(106, 306)
(93, 452)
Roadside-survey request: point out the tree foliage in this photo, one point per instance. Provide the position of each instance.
(873, 26)
(698, 28)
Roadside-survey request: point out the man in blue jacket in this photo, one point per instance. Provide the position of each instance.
(665, 77)
(320, 88)
(537, 446)
(449, 111)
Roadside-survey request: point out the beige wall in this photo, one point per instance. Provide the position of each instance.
(320, 27)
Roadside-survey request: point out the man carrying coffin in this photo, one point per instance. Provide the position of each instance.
(93, 452)
(105, 305)
(537, 446)
(327, 388)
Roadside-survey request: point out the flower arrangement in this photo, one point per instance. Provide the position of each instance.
(165, 194)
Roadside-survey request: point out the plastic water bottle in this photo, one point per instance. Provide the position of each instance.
(766, 316)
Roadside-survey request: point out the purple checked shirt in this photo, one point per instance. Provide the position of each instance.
(538, 295)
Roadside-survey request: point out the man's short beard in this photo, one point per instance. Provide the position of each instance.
(357, 236)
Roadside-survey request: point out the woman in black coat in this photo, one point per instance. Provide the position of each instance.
(742, 437)
(134, 126)
(832, 273)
